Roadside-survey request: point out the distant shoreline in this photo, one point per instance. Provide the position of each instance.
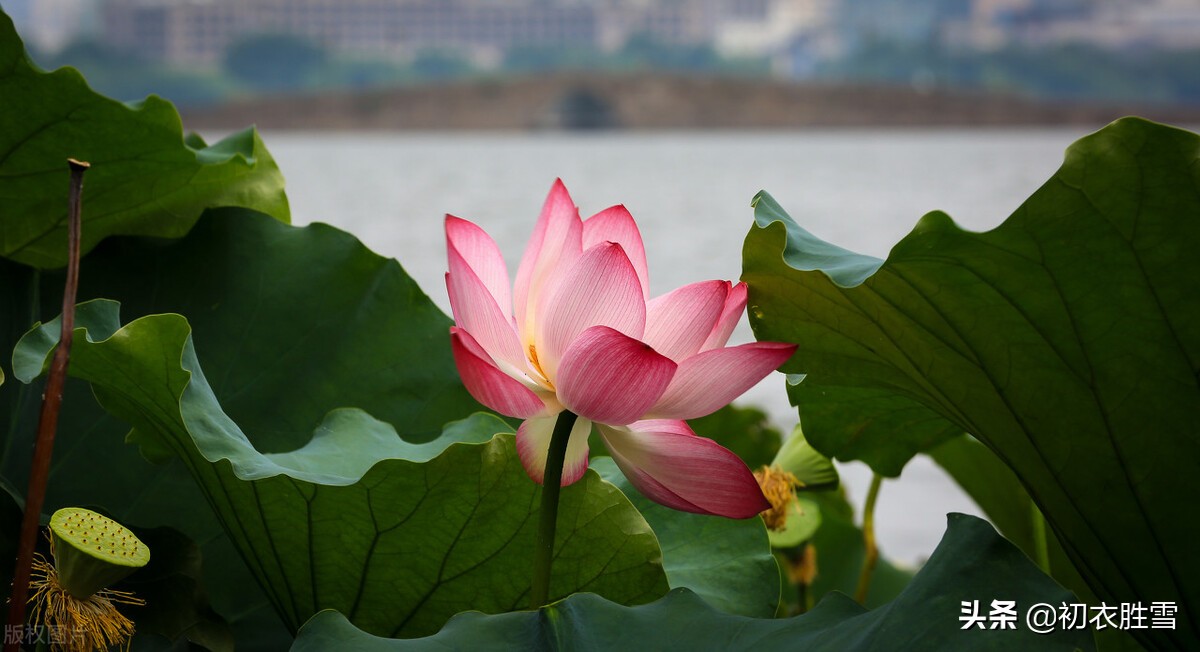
(657, 102)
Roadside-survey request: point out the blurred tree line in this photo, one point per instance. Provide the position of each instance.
(275, 63)
(279, 63)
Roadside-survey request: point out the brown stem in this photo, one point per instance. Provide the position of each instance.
(39, 469)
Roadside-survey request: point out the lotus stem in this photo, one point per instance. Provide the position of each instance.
(39, 468)
(870, 550)
(543, 545)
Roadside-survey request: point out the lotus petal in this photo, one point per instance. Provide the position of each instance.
(672, 466)
(487, 383)
(533, 445)
(610, 377)
(706, 382)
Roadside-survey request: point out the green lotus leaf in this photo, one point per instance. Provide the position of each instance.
(726, 562)
(399, 536)
(125, 486)
(244, 279)
(995, 488)
(972, 563)
(1067, 340)
(144, 179)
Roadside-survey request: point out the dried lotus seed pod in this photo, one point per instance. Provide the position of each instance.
(92, 552)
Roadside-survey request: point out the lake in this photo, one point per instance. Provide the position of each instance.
(690, 193)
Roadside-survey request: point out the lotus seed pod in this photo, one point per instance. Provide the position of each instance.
(92, 552)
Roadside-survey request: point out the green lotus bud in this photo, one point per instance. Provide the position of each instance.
(92, 552)
(812, 470)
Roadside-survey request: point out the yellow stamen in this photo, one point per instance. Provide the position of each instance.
(533, 359)
(82, 625)
(777, 485)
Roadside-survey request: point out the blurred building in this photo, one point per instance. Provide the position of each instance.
(795, 34)
(199, 31)
(763, 27)
(49, 25)
(1113, 24)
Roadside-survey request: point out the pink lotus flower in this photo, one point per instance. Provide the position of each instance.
(579, 332)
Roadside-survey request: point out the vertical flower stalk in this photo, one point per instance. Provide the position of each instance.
(870, 549)
(543, 544)
(39, 471)
(578, 333)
